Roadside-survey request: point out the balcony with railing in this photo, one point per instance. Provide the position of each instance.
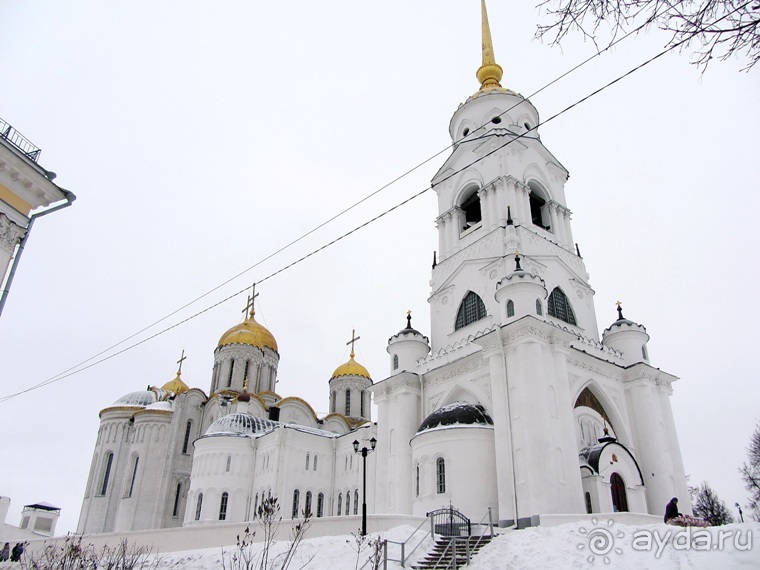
(19, 141)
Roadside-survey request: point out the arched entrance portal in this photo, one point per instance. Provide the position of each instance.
(619, 497)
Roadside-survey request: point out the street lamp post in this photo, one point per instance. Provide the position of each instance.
(364, 451)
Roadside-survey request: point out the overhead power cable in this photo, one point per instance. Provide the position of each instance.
(339, 214)
(79, 367)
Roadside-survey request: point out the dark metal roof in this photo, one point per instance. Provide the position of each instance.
(458, 413)
(591, 455)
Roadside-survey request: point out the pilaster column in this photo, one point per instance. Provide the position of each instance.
(502, 436)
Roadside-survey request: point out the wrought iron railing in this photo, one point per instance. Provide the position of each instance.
(27, 148)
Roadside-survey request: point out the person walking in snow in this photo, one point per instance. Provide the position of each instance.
(5, 552)
(17, 551)
(671, 511)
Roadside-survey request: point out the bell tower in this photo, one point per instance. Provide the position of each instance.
(502, 191)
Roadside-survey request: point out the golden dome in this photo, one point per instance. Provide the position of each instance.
(249, 332)
(177, 385)
(351, 368)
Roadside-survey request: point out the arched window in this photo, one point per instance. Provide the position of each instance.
(186, 441)
(559, 307)
(471, 211)
(223, 507)
(644, 352)
(245, 370)
(440, 473)
(177, 495)
(417, 480)
(539, 211)
(198, 507)
(106, 474)
(361, 401)
(307, 508)
(232, 369)
(256, 506)
(539, 308)
(510, 308)
(134, 476)
(320, 504)
(308, 461)
(395, 361)
(587, 496)
(315, 462)
(348, 503)
(471, 309)
(229, 463)
(619, 496)
(296, 499)
(340, 502)
(356, 501)
(348, 402)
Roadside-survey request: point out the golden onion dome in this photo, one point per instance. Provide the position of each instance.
(177, 385)
(351, 368)
(249, 332)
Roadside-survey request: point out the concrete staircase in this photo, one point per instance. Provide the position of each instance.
(451, 552)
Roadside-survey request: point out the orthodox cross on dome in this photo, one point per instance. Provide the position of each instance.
(517, 260)
(354, 338)
(180, 361)
(409, 319)
(251, 299)
(620, 310)
(489, 74)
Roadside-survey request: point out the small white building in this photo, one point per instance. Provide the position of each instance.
(515, 402)
(37, 520)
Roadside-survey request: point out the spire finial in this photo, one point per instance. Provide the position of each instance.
(489, 74)
(517, 261)
(354, 338)
(620, 311)
(409, 319)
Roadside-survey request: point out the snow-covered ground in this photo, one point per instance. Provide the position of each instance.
(574, 545)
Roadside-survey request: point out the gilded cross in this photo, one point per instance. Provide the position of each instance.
(181, 360)
(354, 338)
(251, 299)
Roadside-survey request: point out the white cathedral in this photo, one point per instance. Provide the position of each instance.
(515, 402)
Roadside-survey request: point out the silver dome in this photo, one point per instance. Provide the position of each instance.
(240, 423)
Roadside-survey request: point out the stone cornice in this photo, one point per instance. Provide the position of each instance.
(10, 233)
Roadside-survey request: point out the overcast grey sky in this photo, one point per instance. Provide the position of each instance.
(200, 137)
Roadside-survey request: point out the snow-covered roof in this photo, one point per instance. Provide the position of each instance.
(458, 413)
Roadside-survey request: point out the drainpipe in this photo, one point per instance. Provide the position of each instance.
(70, 197)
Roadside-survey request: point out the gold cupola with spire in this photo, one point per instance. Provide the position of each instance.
(249, 332)
(351, 368)
(177, 385)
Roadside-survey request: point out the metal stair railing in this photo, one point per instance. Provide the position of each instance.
(404, 556)
(468, 543)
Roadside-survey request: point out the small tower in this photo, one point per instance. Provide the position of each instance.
(246, 352)
(406, 347)
(628, 337)
(520, 293)
(349, 384)
(40, 518)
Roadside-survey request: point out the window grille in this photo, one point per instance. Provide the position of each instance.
(307, 509)
(471, 309)
(223, 507)
(296, 499)
(440, 468)
(559, 307)
(348, 402)
(186, 441)
(320, 504)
